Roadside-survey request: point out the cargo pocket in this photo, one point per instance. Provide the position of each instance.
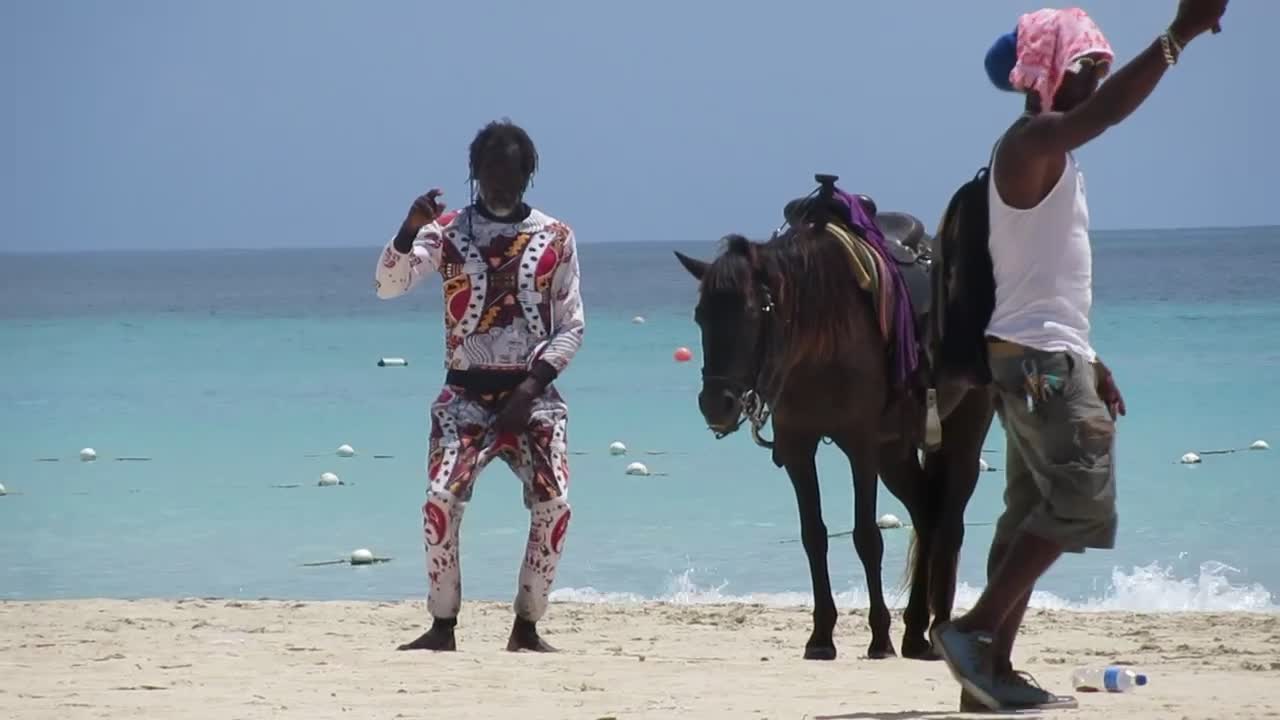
(1078, 442)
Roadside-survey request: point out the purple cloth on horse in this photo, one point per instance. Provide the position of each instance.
(905, 359)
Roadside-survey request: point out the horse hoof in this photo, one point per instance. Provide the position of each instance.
(881, 653)
(918, 648)
(820, 653)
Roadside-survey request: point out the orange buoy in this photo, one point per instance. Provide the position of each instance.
(683, 354)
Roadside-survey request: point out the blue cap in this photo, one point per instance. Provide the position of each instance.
(1140, 680)
(1001, 58)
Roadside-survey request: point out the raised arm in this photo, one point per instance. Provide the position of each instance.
(415, 249)
(1055, 133)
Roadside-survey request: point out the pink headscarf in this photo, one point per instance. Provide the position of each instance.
(1050, 41)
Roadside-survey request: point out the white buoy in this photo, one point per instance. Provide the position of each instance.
(2, 490)
(345, 451)
(363, 556)
(88, 455)
(982, 465)
(329, 480)
(889, 521)
(393, 362)
(1190, 459)
(637, 468)
(617, 448)
(638, 320)
(1259, 445)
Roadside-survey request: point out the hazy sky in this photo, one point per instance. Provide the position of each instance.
(292, 123)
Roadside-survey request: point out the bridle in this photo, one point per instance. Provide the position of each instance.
(754, 407)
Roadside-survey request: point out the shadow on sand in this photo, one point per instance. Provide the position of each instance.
(928, 715)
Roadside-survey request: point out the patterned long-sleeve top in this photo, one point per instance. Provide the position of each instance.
(511, 296)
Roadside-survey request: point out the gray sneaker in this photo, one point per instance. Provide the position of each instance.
(1018, 691)
(968, 657)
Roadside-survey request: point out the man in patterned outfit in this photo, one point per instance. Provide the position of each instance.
(513, 321)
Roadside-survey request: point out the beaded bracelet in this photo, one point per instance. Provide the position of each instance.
(1171, 48)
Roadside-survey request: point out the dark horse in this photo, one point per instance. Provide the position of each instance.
(787, 332)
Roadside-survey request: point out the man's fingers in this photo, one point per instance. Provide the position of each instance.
(1116, 407)
(430, 203)
(506, 419)
(513, 417)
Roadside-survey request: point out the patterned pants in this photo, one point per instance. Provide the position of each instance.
(463, 443)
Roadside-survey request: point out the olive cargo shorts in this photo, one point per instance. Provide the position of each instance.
(1060, 474)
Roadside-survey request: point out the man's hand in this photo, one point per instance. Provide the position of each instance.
(1196, 16)
(513, 417)
(1108, 391)
(1051, 134)
(423, 210)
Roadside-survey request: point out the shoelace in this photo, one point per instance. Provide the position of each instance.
(1027, 678)
(1020, 678)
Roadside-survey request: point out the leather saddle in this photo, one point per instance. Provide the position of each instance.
(909, 244)
(905, 235)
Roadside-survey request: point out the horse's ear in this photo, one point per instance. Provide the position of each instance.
(696, 268)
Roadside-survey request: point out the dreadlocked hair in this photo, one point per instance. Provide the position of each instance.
(500, 135)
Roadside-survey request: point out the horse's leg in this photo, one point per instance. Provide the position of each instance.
(796, 453)
(905, 478)
(953, 471)
(863, 451)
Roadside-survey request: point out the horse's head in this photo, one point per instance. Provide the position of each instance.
(734, 307)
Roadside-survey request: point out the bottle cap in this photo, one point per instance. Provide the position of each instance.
(1140, 680)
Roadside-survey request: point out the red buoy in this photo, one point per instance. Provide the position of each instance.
(683, 354)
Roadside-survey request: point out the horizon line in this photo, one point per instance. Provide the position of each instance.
(269, 248)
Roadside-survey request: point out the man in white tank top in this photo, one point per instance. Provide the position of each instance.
(1056, 400)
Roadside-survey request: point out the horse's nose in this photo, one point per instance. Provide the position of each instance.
(717, 406)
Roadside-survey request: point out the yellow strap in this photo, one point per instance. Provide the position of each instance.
(860, 258)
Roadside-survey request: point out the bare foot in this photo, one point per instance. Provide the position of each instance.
(439, 638)
(524, 636)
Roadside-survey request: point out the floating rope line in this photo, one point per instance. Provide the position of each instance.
(347, 561)
(848, 533)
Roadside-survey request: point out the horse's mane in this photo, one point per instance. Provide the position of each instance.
(816, 296)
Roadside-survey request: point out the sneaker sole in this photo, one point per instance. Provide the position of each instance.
(1062, 703)
(977, 692)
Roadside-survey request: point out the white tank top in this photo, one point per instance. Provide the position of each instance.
(1043, 268)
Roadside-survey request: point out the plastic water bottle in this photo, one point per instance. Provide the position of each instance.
(1110, 679)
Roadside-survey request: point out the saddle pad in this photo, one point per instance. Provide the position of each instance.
(861, 258)
(873, 277)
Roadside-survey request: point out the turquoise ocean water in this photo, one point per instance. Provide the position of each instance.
(237, 371)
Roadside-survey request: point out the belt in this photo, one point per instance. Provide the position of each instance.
(486, 384)
(997, 347)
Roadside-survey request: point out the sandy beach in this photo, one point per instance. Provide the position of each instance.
(223, 659)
